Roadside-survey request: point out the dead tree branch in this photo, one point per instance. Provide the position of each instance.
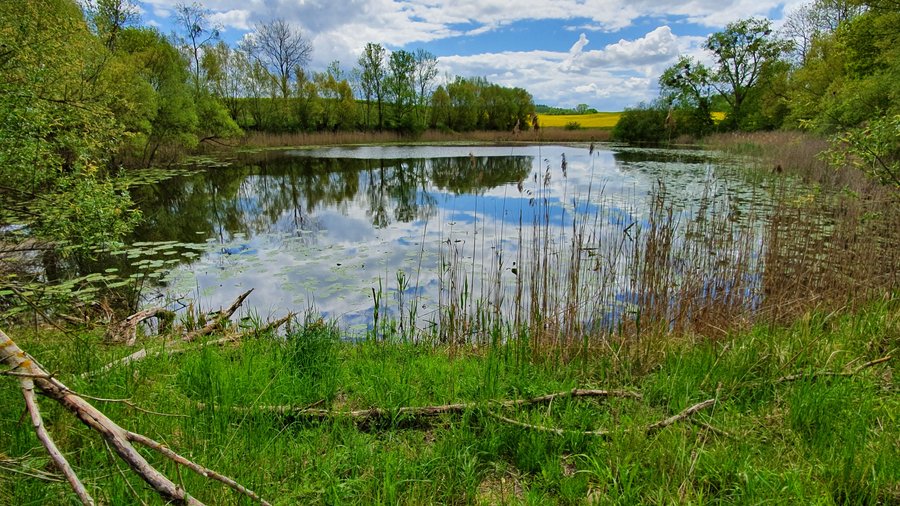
(686, 413)
(115, 436)
(219, 319)
(126, 330)
(61, 463)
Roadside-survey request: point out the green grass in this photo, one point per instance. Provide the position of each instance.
(812, 441)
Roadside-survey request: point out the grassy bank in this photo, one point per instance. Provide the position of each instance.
(810, 439)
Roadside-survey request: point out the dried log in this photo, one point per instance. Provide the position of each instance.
(795, 377)
(219, 319)
(126, 330)
(270, 326)
(115, 436)
(715, 430)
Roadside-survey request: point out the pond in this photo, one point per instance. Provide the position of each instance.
(351, 232)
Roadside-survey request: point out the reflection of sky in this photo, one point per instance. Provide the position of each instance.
(331, 257)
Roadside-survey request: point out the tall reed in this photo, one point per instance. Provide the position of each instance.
(604, 271)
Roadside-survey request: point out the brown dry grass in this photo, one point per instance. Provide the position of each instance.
(271, 140)
(796, 153)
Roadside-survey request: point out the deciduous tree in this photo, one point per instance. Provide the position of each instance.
(280, 47)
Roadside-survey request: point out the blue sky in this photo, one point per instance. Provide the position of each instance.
(604, 53)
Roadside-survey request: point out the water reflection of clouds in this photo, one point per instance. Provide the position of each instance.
(379, 218)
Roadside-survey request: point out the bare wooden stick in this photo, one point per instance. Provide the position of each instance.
(219, 319)
(115, 436)
(715, 430)
(686, 413)
(134, 357)
(61, 463)
(799, 376)
(202, 471)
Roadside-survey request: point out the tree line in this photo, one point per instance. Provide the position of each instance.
(87, 90)
(832, 69)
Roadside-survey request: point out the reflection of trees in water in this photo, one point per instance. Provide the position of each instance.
(284, 194)
(474, 175)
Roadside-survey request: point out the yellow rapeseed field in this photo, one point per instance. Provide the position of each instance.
(596, 120)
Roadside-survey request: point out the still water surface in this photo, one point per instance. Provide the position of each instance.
(323, 228)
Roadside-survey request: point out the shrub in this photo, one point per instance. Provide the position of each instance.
(645, 123)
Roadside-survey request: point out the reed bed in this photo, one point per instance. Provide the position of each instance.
(278, 140)
(615, 275)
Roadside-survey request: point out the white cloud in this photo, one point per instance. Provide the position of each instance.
(623, 71)
(238, 19)
(619, 74)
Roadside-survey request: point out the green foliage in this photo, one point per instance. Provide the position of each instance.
(572, 125)
(58, 126)
(562, 111)
(645, 123)
(874, 149)
(687, 86)
(743, 51)
(471, 104)
(749, 75)
(87, 209)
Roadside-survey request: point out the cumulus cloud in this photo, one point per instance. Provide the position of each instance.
(237, 19)
(622, 71)
(660, 45)
(616, 75)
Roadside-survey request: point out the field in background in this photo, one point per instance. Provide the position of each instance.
(596, 120)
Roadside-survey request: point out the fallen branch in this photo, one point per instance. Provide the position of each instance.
(271, 326)
(714, 430)
(424, 411)
(686, 413)
(61, 463)
(115, 436)
(219, 319)
(126, 330)
(795, 377)
(145, 353)
(550, 430)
